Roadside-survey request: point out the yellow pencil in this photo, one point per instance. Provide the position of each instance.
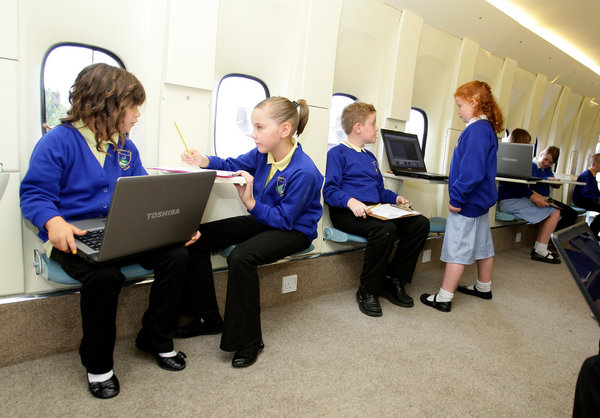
(182, 140)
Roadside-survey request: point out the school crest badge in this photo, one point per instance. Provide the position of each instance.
(124, 157)
(376, 166)
(281, 183)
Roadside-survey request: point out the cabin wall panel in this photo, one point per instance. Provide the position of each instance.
(547, 108)
(190, 63)
(534, 105)
(260, 39)
(522, 89)
(317, 58)
(366, 42)
(434, 70)
(9, 114)
(488, 68)
(9, 47)
(11, 248)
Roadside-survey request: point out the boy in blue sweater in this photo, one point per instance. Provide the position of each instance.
(283, 197)
(352, 183)
(588, 196)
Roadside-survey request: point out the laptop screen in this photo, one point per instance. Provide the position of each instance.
(514, 160)
(403, 150)
(581, 253)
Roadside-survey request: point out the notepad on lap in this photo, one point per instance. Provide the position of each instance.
(222, 176)
(388, 211)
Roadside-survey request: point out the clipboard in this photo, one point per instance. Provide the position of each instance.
(387, 211)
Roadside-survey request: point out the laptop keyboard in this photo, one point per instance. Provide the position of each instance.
(92, 239)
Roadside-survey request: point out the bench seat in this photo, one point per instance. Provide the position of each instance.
(51, 270)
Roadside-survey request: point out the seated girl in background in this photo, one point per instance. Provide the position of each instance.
(283, 197)
(542, 167)
(518, 199)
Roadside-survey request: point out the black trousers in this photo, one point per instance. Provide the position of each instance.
(568, 215)
(255, 244)
(587, 389)
(593, 205)
(411, 233)
(100, 287)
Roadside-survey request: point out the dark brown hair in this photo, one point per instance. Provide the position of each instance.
(100, 96)
(519, 136)
(486, 103)
(553, 151)
(283, 110)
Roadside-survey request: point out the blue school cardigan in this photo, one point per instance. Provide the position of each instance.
(65, 178)
(291, 199)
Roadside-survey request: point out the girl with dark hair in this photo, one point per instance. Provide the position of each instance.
(71, 176)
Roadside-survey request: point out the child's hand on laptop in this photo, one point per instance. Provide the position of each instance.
(60, 234)
(193, 239)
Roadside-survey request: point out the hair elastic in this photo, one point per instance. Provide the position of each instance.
(296, 103)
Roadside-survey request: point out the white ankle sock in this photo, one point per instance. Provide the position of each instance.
(542, 249)
(169, 354)
(482, 287)
(100, 377)
(442, 296)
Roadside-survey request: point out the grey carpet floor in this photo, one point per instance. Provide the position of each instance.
(516, 355)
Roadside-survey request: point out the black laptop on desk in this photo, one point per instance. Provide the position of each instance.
(514, 161)
(146, 212)
(580, 251)
(405, 157)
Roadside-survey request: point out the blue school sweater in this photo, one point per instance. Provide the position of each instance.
(471, 180)
(65, 178)
(543, 173)
(589, 191)
(291, 199)
(353, 174)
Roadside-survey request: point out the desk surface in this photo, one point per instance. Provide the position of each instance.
(511, 180)
(415, 179)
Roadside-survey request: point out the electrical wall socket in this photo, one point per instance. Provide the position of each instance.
(426, 256)
(518, 237)
(289, 283)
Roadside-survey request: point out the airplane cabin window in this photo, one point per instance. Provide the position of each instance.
(237, 95)
(338, 102)
(417, 124)
(60, 67)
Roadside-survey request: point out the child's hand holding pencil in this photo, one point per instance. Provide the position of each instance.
(192, 156)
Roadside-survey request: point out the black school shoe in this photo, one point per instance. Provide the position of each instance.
(538, 257)
(247, 356)
(368, 302)
(394, 291)
(105, 390)
(440, 306)
(172, 364)
(474, 292)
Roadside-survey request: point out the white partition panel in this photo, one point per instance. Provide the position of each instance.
(9, 104)
(11, 245)
(191, 43)
(8, 29)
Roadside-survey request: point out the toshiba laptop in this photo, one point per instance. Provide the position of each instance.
(146, 212)
(580, 250)
(405, 157)
(514, 161)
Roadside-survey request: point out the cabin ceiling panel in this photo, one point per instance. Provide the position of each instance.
(576, 21)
